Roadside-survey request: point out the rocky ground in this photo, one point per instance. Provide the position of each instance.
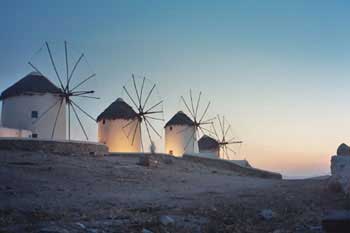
(53, 193)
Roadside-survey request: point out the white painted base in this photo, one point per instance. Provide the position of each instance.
(14, 133)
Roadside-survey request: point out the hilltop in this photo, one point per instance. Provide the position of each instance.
(43, 192)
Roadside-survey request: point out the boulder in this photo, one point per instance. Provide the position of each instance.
(166, 220)
(267, 214)
(343, 149)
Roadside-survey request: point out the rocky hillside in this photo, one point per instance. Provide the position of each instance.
(42, 192)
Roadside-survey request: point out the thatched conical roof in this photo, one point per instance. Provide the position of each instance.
(117, 110)
(207, 143)
(33, 83)
(180, 118)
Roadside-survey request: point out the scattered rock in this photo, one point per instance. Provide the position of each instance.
(81, 225)
(144, 230)
(166, 220)
(316, 229)
(144, 160)
(168, 161)
(93, 230)
(53, 229)
(267, 214)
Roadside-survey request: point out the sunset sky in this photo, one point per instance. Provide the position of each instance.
(278, 70)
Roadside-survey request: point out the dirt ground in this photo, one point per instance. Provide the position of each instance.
(53, 193)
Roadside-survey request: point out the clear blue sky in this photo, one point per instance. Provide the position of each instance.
(278, 70)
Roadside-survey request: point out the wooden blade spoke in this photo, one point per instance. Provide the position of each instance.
(188, 109)
(138, 124)
(157, 104)
(183, 130)
(199, 98)
(83, 111)
(149, 94)
(205, 112)
(137, 107)
(201, 129)
(147, 129)
(142, 86)
(227, 130)
(58, 113)
(131, 128)
(220, 125)
(153, 112)
(209, 131)
(45, 112)
(234, 142)
(215, 132)
(155, 118)
(82, 82)
(228, 148)
(36, 69)
(74, 67)
(127, 124)
(209, 121)
(188, 142)
(78, 93)
(68, 121)
(137, 92)
(194, 113)
(89, 97)
(154, 130)
(67, 67)
(223, 126)
(54, 66)
(81, 125)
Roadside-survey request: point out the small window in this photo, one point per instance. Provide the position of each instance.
(171, 128)
(171, 152)
(104, 122)
(34, 114)
(34, 135)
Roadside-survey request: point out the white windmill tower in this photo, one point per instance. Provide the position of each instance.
(182, 132)
(47, 112)
(120, 126)
(225, 138)
(209, 147)
(179, 131)
(110, 127)
(22, 104)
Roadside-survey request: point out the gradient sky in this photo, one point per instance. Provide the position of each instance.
(279, 71)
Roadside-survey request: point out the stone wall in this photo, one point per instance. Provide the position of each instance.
(50, 146)
(222, 164)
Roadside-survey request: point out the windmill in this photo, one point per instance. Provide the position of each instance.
(144, 96)
(225, 137)
(198, 117)
(69, 91)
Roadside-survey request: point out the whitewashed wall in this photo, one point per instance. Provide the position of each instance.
(17, 113)
(14, 133)
(115, 137)
(176, 139)
(213, 153)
